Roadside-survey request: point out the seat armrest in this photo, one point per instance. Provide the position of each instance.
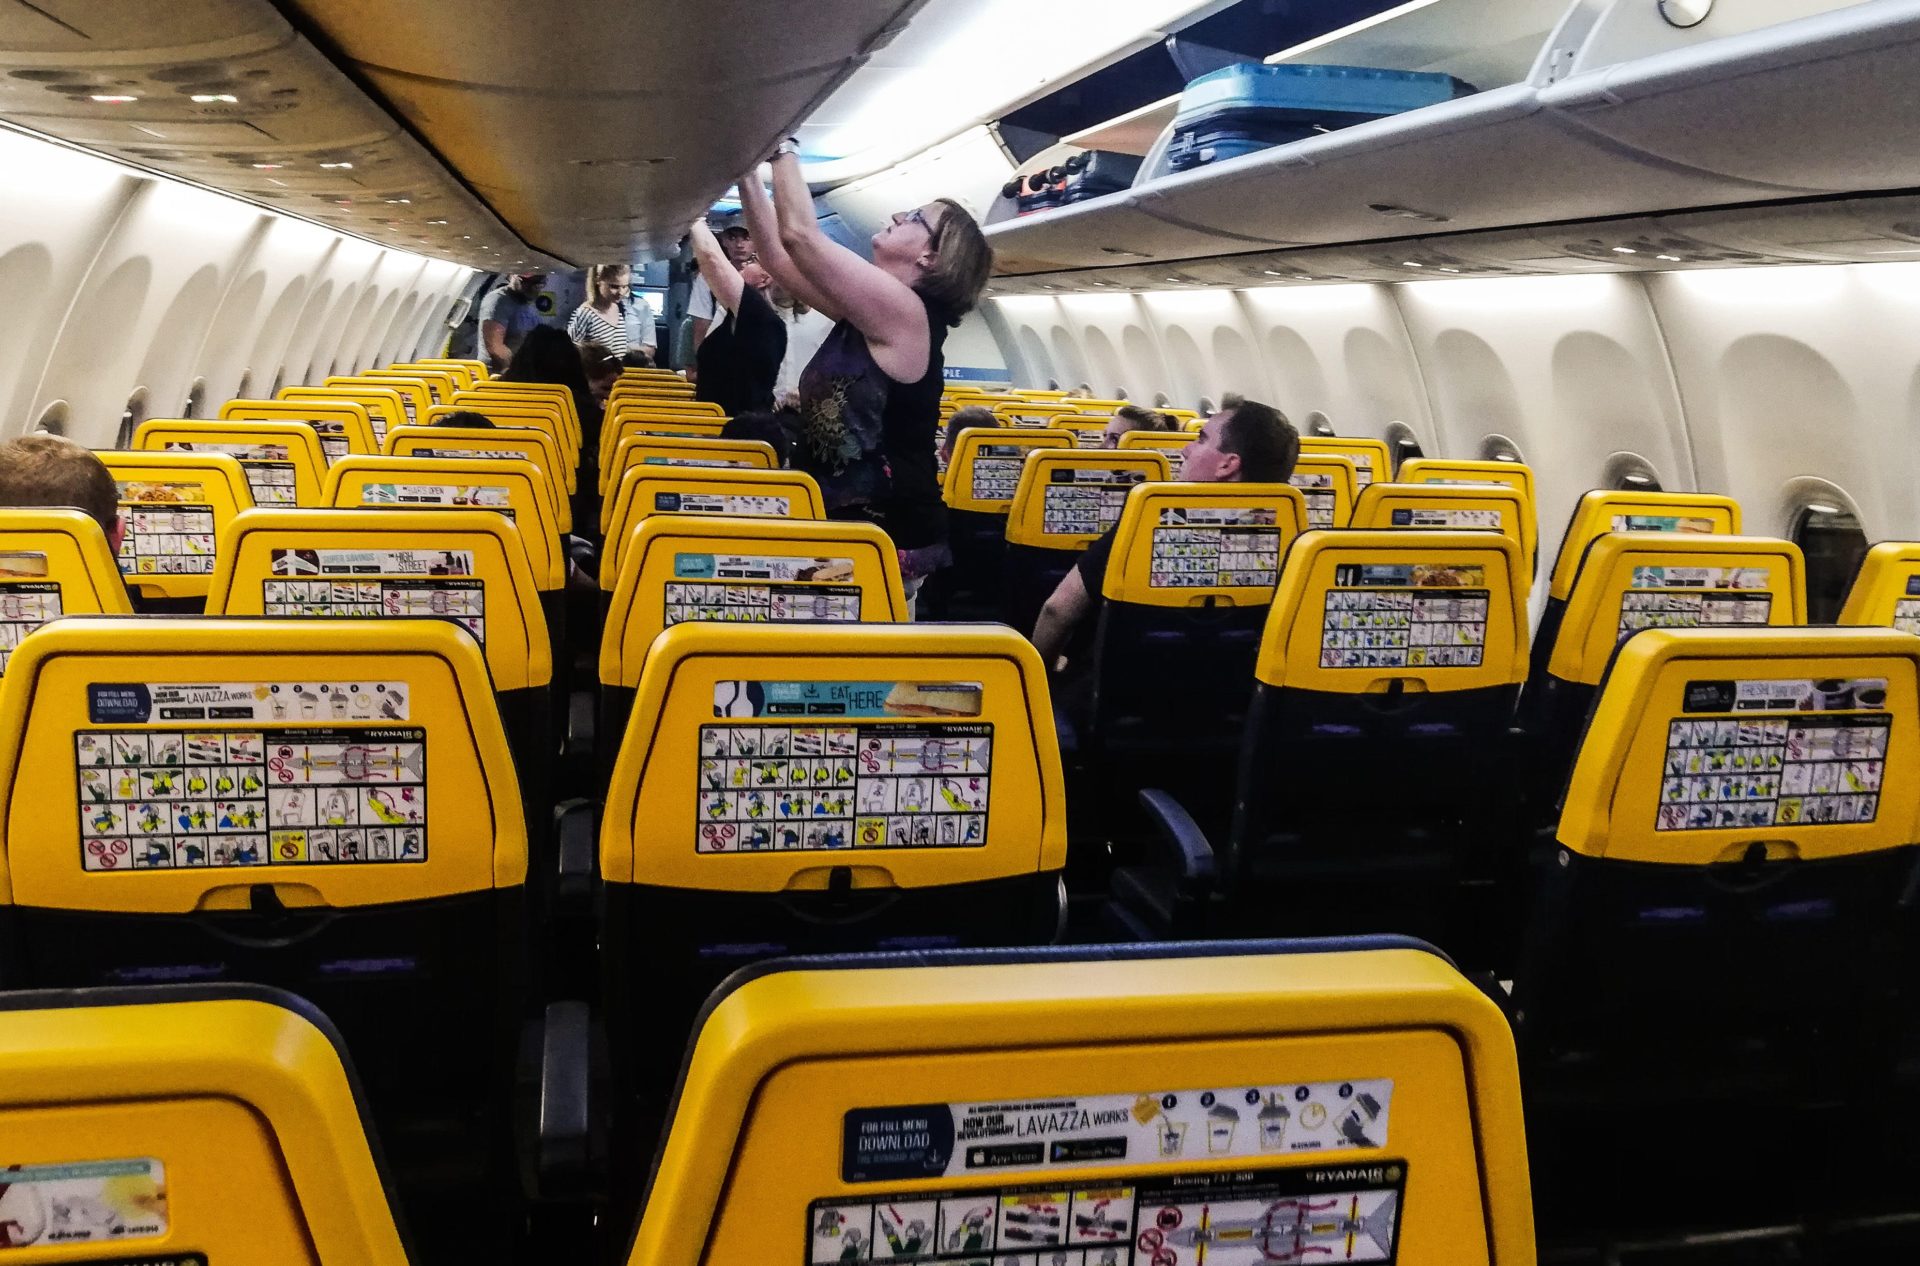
(576, 828)
(562, 1095)
(1177, 829)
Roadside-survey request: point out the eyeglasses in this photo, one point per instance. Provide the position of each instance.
(916, 216)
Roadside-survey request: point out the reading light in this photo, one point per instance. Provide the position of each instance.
(208, 98)
(113, 98)
(337, 166)
(267, 166)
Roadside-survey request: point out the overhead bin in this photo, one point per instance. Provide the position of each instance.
(1820, 104)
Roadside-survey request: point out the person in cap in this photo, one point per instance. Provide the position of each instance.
(506, 314)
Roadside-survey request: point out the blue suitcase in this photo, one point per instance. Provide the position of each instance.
(1249, 106)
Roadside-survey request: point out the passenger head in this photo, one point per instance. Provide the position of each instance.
(527, 284)
(608, 283)
(1252, 444)
(601, 367)
(939, 250)
(546, 355)
(769, 427)
(466, 418)
(971, 416)
(1131, 417)
(756, 276)
(737, 243)
(46, 470)
(636, 359)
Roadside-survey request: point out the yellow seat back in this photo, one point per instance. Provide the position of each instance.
(694, 452)
(464, 566)
(174, 766)
(1886, 591)
(1329, 484)
(344, 426)
(1440, 470)
(510, 442)
(985, 470)
(462, 373)
(476, 368)
(386, 408)
(1031, 412)
(620, 426)
(173, 507)
(556, 408)
(681, 567)
(1612, 510)
(721, 490)
(142, 1121)
(1358, 611)
(1067, 498)
(762, 758)
(284, 462)
(1172, 443)
(438, 384)
(414, 395)
(1652, 580)
(1118, 1108)
(1707, 743)
(1489, 507)
(1372, 461)
(1186, 545)
(513, 488)
(53, 562)
(1086, 432)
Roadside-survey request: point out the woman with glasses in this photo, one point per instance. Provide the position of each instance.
(740, 357)
(870, 398)
(612, 316)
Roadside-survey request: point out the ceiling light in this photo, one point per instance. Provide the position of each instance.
(436, 221)
(1411, 263)
(399, 202)
(1406, 213)
(208, 98)
(113, 98)
(1625, 250)
(337, 166)
(1449, 270)
(1671, 259)
(268, 166)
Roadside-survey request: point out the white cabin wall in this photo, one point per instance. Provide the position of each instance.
(1799, 383)
(1121, 352)
(132, 289)
(1571, 369)
(1209, 346)
(1342, 351)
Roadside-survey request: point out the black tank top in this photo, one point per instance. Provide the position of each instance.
(869, 440)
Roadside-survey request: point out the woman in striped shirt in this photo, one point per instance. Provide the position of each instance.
(610, 317)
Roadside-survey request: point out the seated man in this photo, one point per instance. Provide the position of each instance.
(971, 416)
(1131, 417)
(46, 470)
(776, 429)
(1253, 443)
(467, 419)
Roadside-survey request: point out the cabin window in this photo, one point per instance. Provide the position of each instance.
(1498, 448)
(1631, 472)
(1319, 423)
(196, 397)
(1206, 407)
(279, 381)
(246, 385)
(1830, 536)
(53, 420)
(131, 417)
(1404, 443)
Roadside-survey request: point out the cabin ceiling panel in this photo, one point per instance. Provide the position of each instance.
(664, 105)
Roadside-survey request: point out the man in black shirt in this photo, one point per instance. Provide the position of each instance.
(739, 360)
(1253, 443)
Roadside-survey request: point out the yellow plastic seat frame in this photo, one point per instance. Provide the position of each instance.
(1615, 510)
(1171, 443)
(1886, 592)
(344, 426)
(82, 827)
(694, 453)
(413, 393)
(283, 461)
(386, 408)
(978, 690)
(477, 443)
(173, 507)
(1185, 545)
(1067, 498)
(53, 563)
(650, 490)
(1464, 627)
(1372, 460)
(508, 399)
(1329, 484)
(1647, 580)
(1645, 785)
(467, 567)
(1489, 507)
(1402, 1119)
(164, 1107)
(985, 471)
(678, 568)
(517, 489)
(438, 384)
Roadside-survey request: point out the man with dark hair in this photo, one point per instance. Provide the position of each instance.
(776, 429)
(506, 314)
(1251, 444)
(465, 418)
(46, 470)
(974, 415)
